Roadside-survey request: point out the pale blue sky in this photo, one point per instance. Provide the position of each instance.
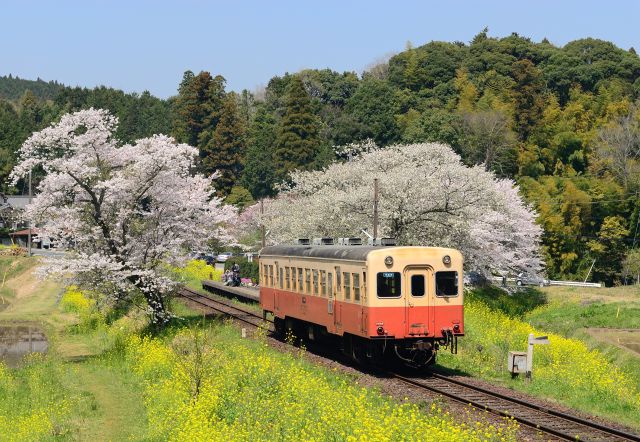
(138, 45)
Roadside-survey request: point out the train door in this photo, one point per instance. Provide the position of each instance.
(276, 296)
(417, 301)
(337, 307)
(331, 303)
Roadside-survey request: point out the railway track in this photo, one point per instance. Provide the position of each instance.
(560, 425)
(237, 313)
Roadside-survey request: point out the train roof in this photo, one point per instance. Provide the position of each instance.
(353, 253)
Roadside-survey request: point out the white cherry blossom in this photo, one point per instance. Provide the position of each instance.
(426, 197)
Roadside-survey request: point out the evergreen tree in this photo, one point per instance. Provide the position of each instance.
(10, 140)
(239, 197)
(223, 151)
(373, 107)
(298, 142)
(196, 107)
(528, 97)
(259, 174)
(31, 113)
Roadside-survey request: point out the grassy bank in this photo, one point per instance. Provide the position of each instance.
(573, 370)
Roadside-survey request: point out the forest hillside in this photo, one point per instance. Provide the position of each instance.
(563, 122)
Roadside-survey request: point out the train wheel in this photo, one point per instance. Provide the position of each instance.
(278, 325)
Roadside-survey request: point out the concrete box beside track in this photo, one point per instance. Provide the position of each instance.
(517, 362)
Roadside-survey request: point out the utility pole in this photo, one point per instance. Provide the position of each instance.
(30, 226)
(589, 272)
(375, 208)
(262, 223)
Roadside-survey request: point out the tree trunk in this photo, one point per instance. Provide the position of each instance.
(156, 302)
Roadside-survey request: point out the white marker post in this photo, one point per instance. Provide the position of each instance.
(541, 340)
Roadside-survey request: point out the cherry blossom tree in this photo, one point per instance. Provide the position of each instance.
(123, 211)
(427, 197)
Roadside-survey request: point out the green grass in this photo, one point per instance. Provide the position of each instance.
(513, 305)
(111, 400)
(78, 391)
(568, 317)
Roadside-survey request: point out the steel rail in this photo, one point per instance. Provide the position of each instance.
(533, 416)
(566, 416)
(206, 301)
(493, 402)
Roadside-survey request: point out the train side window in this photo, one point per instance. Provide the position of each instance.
(447, 283)
(338, 280)
(356, 286)
(287, 276)
(330, 283)
(271, 284)
(300, 281)
(347, 285)
(265, 274)
(364, 284)
(323, 282)
(315, 282)
(417, 285)
(308, 279)
(388, 285)
(281, 278)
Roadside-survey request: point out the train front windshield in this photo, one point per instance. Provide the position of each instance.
(389, 285)
(447, 283)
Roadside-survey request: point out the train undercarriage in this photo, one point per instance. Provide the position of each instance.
(417, 353)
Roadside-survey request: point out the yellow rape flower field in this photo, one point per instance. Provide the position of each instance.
(566, 370)
(235, 389)
(202, 382)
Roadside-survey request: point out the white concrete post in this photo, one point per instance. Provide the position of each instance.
(529, 356)
(542, 340)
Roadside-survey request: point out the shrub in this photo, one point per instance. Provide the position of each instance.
(75, 301)
(197, 269)
(247, 269)
(513, 305)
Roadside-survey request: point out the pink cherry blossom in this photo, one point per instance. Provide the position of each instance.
(122, 211)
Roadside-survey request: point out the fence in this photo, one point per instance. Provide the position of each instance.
(552, 282)
(576, 283)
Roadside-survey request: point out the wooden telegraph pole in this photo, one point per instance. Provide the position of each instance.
(375, 208)
(262, 224)
(30, 225)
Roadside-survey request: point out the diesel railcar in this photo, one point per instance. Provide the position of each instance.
(378, 302)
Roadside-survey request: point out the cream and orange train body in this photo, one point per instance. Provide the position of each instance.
(378, 301)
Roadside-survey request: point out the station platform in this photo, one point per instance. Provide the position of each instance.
(248, 293)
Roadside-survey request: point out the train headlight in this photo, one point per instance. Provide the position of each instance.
(388, 260)
(446, 259)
